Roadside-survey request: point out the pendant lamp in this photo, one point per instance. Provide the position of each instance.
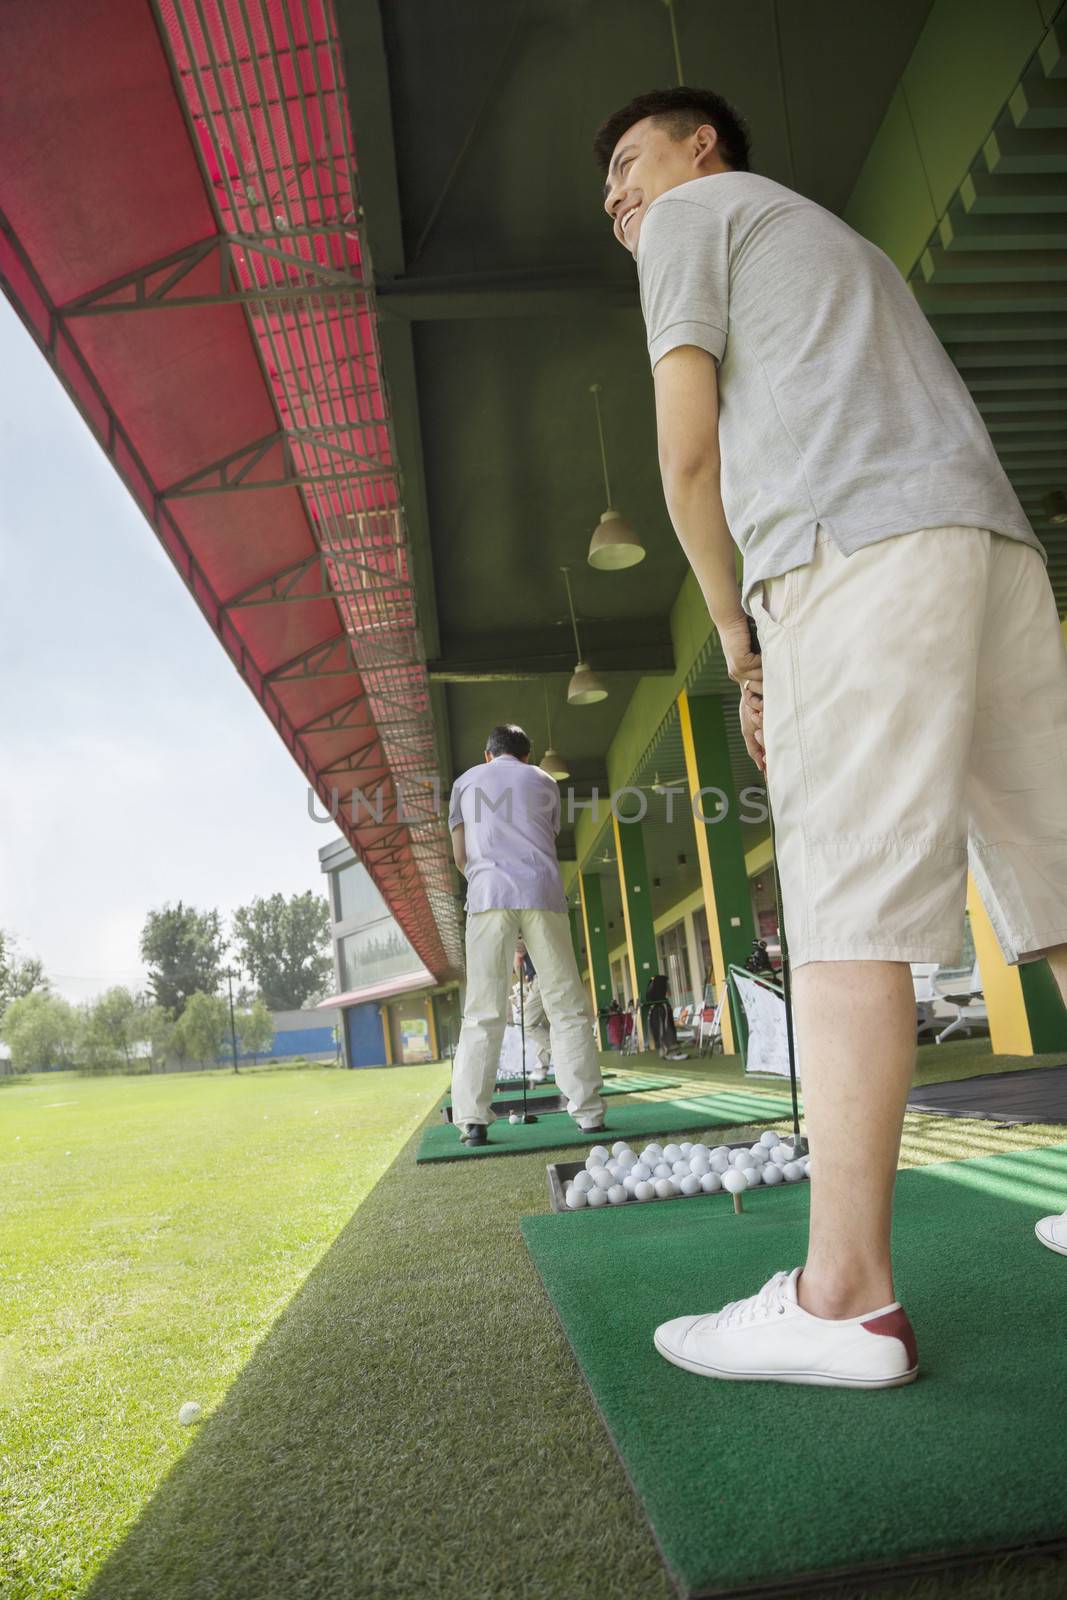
(614, 544)
(552, 762)
(585, 688)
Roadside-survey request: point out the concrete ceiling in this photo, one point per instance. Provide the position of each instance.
(503, 297)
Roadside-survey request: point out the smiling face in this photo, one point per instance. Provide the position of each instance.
(645, 163)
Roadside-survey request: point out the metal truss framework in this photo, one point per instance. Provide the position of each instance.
(263, 90)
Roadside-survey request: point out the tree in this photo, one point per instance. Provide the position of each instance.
(19, 975)
(42, 1031)
(156, 1028)
(204, 1027)
(110, 1032)
(184, 949)
(285, 944)
(255, 1028)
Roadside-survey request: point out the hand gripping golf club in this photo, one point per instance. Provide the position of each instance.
(527, 1116)
(800, 1146)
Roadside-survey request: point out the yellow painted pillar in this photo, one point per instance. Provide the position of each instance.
(383, 1012)
(718, 959)
(588, 946)
(1009, 1027)
(433, 1027)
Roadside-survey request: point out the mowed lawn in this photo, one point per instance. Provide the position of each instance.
(151, 1231)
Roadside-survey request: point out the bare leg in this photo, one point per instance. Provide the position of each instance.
(856, 1028)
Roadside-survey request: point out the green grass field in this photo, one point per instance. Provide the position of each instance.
(394, 1409)
(152, 1230)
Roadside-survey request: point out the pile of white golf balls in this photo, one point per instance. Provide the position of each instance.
(661, 1172)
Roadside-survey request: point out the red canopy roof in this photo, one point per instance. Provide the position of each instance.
(180, 231)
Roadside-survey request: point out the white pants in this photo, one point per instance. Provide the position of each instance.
(491, 940)
(535, 1020)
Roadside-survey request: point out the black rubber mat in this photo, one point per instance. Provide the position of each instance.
(1037, 1094)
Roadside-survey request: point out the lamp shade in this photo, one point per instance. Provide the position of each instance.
(614, 544)
(553, 763)
(585, 688)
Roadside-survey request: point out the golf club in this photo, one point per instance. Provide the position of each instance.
(800, 1145)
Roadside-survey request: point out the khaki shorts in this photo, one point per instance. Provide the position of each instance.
(915, 714)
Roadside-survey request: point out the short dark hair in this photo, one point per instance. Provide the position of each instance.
(507, 740)
(680, 111)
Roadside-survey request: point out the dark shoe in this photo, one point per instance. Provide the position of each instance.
(475, 1133)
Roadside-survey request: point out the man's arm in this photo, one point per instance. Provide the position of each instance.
(687, 426)
(459, 848)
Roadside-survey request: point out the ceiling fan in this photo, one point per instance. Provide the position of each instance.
(663, 785)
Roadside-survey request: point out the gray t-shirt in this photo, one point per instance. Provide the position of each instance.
(510, 813)
(839, 408)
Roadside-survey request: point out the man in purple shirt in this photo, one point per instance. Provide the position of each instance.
(504, 818)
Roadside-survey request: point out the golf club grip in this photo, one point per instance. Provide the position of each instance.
(754, 637)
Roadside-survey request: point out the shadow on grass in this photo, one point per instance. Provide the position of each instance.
(403, 1428)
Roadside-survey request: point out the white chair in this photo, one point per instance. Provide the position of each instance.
(970, 1007)
(926, 996)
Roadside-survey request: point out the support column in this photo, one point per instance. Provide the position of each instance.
(723, 874)
(636, 910)
(1026, 1013)
(574, 914)
(596, 946)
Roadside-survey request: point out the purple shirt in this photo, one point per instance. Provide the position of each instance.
(510, 816)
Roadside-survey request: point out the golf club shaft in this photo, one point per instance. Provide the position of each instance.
(787, 988)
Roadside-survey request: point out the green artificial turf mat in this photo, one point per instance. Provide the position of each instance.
(760, 1484)
(546, 1091)
(441, 1141)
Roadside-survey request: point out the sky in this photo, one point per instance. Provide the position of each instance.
(136, 768)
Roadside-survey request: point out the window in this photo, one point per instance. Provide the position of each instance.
(355, 897)
(674, 963)
(376, 952)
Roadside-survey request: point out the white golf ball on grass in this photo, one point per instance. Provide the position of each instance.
(189, 1412)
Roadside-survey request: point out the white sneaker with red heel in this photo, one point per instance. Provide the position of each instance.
(1052, 1231)
(771, 1338)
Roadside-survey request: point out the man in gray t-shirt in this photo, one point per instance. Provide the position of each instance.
(907, 698)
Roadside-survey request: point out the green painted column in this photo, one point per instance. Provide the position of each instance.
(1045, 1011)
(636, 905)
(574, 913)
(596, 944)
(723, 872)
